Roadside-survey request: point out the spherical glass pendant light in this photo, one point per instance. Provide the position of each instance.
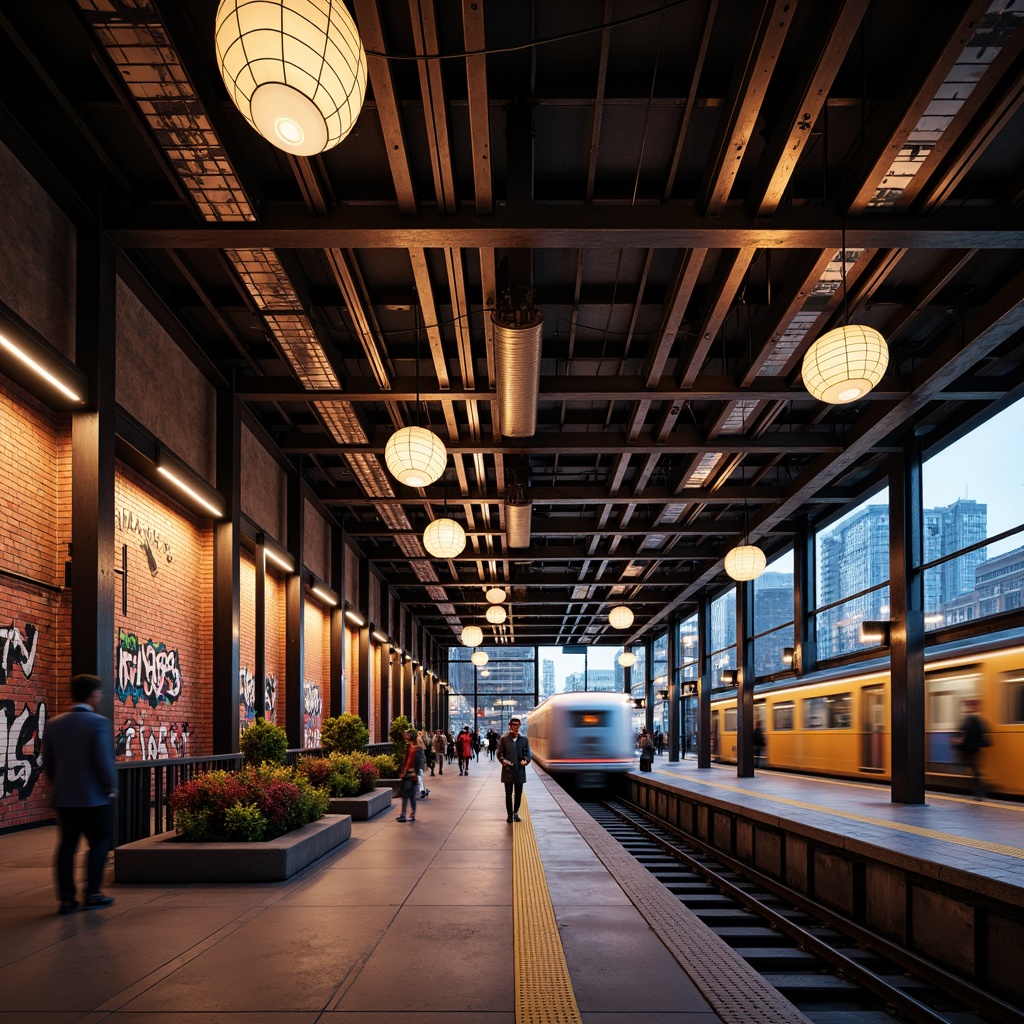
(496, 615)
(745, 562)
(479, 658)
(620, 617)
(415, 456)
(627, 659)
(495, 595)
(444, 538)
(845, 364)
(472, 636)
(296, 69)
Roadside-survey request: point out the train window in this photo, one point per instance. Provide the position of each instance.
(1014, 696)
(835, 712)
(946, 693)
(782, 716)
(730, 720)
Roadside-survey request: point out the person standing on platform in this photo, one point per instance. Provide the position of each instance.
(440, 745)
(78, 758)
(646, 751)
(464, 748)
(973, 739)
(514, 754)
(757, 742)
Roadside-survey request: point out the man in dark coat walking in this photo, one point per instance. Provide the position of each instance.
(78, 757)
(514, 754)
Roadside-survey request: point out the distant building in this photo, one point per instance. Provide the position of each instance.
(998, 587)
(949, 529)
(547, 678)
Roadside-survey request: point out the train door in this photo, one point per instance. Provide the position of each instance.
(714, 733)
(872, 711)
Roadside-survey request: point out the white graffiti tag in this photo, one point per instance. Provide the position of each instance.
(17, 649)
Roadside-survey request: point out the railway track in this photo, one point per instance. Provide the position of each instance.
(835, 971)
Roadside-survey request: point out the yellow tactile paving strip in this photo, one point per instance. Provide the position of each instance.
(735, 991)
(896, 826)
(544, 992)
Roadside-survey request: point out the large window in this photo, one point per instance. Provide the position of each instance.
(972, 494)
(485, 697)
(773, 616)
(853, 576)
(723, 635)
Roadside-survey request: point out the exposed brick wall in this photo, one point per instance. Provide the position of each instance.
(163, 693)
(35, 614)
(274, 628)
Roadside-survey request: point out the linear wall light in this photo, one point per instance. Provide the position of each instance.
(322, 591)
(43, 365)
(198, 490)
(875, 631)
(354, 617)
(379, 636)
(281, 558)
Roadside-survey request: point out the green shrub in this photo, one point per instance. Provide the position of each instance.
(343, 734)
(386, 765)
(245, 823)
(399, 727)
(263, 741)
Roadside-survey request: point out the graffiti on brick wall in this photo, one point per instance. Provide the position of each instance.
(21, 747)
(146, 671)
(137, 740)
(247, 697)
(312, 708)
(17, 648)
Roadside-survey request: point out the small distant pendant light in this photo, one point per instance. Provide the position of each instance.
(745, 561)
(627, 659)
(495, 595)
(620, 617)
(296, 69)
(444, 537)
(496, 615)
(415, 456)
(472, 636)
(847, 362)
(479, 658)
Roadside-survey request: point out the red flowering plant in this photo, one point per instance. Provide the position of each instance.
(254, 804)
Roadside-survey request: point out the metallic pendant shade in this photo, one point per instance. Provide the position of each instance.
(444, 538)
(496, 615)
(627, 659)
(472, 636)
(495, 595)
(620, 617)
(415, 456)
(517, 345)
(518, 516)
(845, 364)
(745, 562)
(479, 658)
(296, 69)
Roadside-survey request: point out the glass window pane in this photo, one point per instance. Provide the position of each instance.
(838, 629)
(853, 553)
(723, 621)
(773, 595)
(782, 716)
(768, 651)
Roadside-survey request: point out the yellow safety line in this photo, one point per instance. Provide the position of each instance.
(898, 826)
(544, 992)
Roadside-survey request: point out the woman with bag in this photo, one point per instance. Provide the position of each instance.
(412, 766)
(646, 751)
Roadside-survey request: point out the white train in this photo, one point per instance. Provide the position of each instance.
(588, 735)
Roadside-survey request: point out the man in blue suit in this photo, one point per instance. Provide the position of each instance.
(78, 757)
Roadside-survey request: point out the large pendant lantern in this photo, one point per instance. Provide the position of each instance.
(444, 538)
(296, 69)
(845, 364)
(620, 617)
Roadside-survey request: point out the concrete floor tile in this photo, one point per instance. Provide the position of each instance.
(614, 956)
(575, 886)
(456, 887)
(316, 948)
(431, 962)
(357, 887)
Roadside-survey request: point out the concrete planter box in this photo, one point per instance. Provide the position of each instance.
(395, 785)
(363, 806)
(165, 858)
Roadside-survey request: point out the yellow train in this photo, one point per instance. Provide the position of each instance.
(839, 723)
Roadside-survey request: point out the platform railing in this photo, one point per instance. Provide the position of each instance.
(145, 787)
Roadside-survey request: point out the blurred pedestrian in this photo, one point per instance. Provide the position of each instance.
(440, 744)
(78, 757)
(464, 748)
(973, 739)
(412, 769)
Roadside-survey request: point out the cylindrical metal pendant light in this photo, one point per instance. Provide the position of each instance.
(517, 346)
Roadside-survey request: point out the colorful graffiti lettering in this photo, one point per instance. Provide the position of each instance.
(312, 708)
(17, 649)
(160, 740)
(148, 671)
(247, 698)
(21, 741)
